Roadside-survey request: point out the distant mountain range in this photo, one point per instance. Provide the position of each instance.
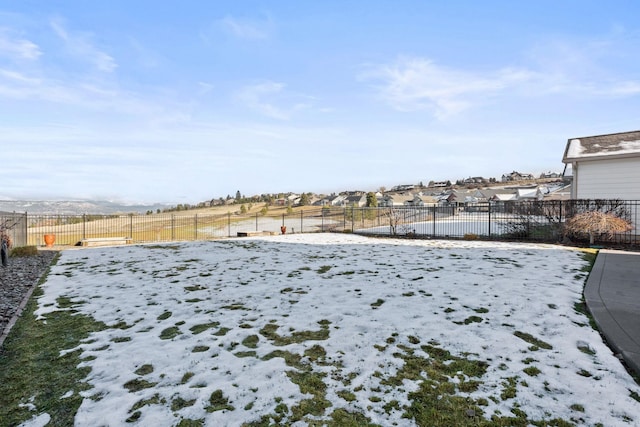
(75, 207)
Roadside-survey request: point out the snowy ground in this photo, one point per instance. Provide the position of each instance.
(271, 224)
(478, 223)
(222, 331)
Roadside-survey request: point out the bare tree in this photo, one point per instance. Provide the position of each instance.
(396, 218)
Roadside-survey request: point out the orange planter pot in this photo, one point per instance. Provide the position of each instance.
(49, 239)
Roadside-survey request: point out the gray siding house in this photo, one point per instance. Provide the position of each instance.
(605, 166)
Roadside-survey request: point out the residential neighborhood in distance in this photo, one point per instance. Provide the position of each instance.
(470, 190)
(596, 167)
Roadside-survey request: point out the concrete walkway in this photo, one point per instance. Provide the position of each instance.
(612, 294)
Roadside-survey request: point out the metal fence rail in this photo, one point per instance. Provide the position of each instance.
(540, 221)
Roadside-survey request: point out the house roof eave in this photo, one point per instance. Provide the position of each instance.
(581, 159)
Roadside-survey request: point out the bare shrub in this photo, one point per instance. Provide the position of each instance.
(596, 223)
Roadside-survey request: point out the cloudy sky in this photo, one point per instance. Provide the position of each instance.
(180, 102)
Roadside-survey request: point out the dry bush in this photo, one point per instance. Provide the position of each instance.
(5, 236)
(597, 223)
(24, 251)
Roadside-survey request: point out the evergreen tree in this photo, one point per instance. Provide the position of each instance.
(372, 201)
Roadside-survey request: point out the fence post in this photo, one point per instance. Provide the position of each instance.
(84, 226)
(353, 218)
(25, 229)
(433, 234)
(344, 218)
(489, 212)
(131, 226)
(229, 223)
(256, 221)
(301, 222)
(195, 221)
(172, 228)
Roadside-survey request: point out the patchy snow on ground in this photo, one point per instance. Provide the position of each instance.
(227, 331)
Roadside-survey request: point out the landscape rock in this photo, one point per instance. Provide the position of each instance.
(16, 279)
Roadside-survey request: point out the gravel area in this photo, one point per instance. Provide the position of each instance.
(16, 279)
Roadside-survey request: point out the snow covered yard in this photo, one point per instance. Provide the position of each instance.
(340, 328)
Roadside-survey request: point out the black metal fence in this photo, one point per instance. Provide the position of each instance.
(540, 221)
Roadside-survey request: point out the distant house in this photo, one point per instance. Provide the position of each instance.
(605, 166)
(516, 176)
(548, 175)
(391, 200)
(404, 187)
(476, 180)
(355, 200)
(337, 200)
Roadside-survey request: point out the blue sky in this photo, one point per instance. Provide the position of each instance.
(181, 102)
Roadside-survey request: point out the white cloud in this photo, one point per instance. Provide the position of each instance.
(247, 29)
(205, 88)
(627, 88)
(412, 84)
(593, 67)
(16, 47)
(81, 46)
(262, 97)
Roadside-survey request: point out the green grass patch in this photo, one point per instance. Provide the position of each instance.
(197, 329)
(377, 304)
(437, 402)
(346, 395)
(469, 320)
(237, 306)
(218, 402)
(581, 307)
(221, 332)
(242, 354)
(577, 407)
(153, 400)
(138, 384)
(532, 371)
(165, 315)
(533, 340)
(586, 349)
(186, 377)
(170, 333)
(144, 370)
(32, 366)
(180, 403)
(251, 341)
(291, 359)
(323, 269)
(269, 331)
